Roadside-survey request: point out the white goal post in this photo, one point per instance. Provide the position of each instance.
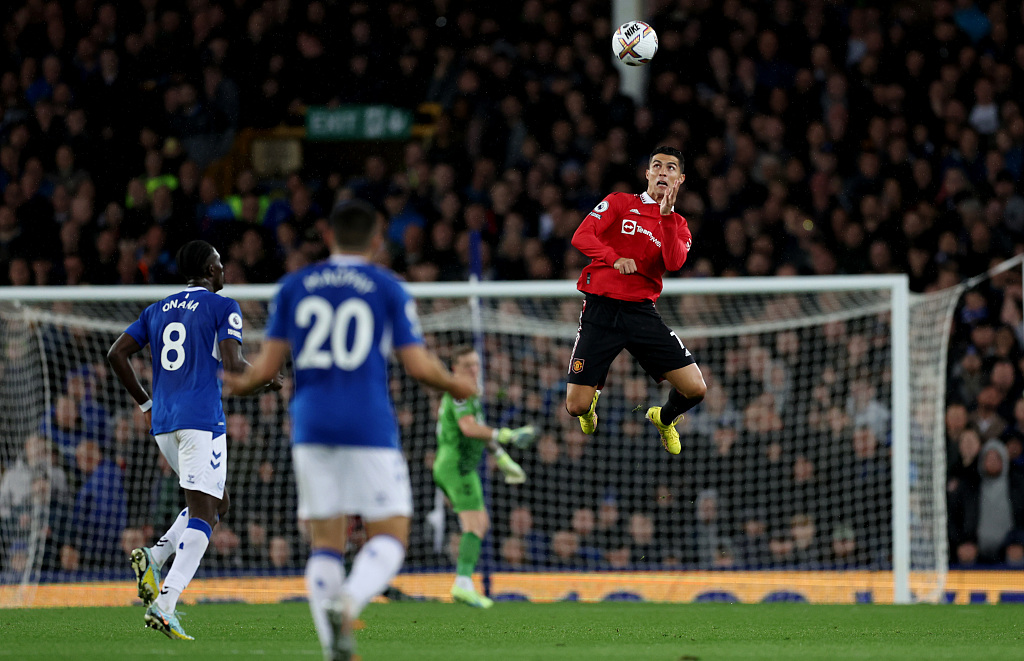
(792, 354)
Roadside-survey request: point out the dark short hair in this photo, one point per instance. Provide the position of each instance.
(668, 151)
(461, 350)
(192, 259)
(353, 223)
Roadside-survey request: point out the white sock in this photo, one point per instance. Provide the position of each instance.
(376, 564)
(165, 547)
(465, 582)
(190, 551)
(325, 572)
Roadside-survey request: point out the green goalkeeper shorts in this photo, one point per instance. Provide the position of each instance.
(464, 491)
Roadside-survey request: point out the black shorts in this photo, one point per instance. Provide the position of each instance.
(607, 326)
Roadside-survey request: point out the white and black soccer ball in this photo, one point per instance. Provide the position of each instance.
(635, 43)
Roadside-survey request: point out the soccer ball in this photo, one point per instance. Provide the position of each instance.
(635, 43)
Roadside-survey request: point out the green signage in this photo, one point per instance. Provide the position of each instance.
(358, 123)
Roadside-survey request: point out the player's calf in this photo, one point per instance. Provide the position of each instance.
(581, 402)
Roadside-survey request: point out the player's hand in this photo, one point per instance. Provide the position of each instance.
(462, 387)
(235, 383)
(521, 437)
(669, 200)
(625, 266)
(276, 383)
(513, 472)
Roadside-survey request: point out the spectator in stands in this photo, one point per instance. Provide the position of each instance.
(642, 544)
(986, 416)
(609, 528)
(36, 459)
(584, 524)
(513, 552)
(968, 376)
(225, 552)
(843, 551)
(807, 551)
(65, 427)
(136, 455)
(956, 421)
(780, 544)
(101, 511)
(164, 500)
(865, 409)
(534, 543)
(1013, 550)
(565, 546)
(709, 532)
(751, 546)
(279, 553)
(983, 512)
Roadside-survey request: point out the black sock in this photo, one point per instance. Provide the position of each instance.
(676, 405)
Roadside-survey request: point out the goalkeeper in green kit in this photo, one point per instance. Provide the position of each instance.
(461, 440)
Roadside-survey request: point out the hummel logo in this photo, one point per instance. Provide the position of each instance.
(214, 466)
(217, 456)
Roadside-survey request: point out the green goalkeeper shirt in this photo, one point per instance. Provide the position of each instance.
(455, 449)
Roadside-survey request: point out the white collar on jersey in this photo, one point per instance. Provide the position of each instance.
(347, 259)
(647, 199)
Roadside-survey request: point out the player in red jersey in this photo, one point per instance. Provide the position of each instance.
(631, 241)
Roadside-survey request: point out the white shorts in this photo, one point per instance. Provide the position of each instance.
(334, 480)
(198, 457)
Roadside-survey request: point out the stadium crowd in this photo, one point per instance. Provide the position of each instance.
(822, 137)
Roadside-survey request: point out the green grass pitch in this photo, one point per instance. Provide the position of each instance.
(523, 631)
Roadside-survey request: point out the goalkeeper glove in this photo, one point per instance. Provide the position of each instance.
(521, 437)
(512, 471)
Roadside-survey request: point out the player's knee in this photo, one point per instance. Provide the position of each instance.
(697, 390)
(577, 406)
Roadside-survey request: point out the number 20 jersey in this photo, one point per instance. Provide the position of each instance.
(184, 332)
(342, 317)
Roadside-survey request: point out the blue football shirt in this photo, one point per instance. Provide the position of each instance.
(184, 332)
(342, 317)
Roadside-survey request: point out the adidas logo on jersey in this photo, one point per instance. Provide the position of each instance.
(636, 212)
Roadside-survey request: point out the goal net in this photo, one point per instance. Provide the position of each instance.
(814, 469)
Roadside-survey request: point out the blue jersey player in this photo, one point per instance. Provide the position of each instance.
(340, 320)
(192, 336)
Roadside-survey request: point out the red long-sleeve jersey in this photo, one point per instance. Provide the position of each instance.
(630, 226)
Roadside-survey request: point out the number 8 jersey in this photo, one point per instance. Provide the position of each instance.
(342, 317)
(184, 332)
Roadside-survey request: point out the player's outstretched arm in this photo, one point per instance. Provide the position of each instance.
(264, 368)
(491, 436)
(426, 368)
(235, 363)
(119, 358)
